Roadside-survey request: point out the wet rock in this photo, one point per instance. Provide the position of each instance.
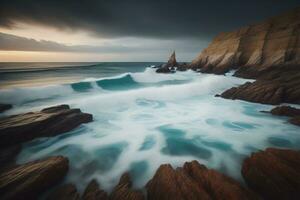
(169, 66)
(65, 192)
(285, 111)
(29, 180)
(4, 107)
(274, 173)
(295, 120)
(123, 190)
(93, 192)
(266, 92)
(194, 181)
(47, 122)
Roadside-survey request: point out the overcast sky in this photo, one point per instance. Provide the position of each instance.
(121, 30)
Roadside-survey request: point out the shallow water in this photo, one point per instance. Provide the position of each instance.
(143, 119)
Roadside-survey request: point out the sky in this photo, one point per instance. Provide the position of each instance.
(121, 30)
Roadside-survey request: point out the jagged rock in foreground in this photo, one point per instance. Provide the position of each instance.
(31, 179)
(4, 107)
(274, 173)
(194, 181)
(47, 122)
(93, 192)
(270, 43)
(8, 155)
(65, 192)
(123, 190)
(288, 111)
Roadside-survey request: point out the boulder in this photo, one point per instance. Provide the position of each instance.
(4, 107)
(274, 173)
(194, 181)
(93, 192)
(169, 66)
(29, 180)
(123, 190)
(47, 122)
(65, 192)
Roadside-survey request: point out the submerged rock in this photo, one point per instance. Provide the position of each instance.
(93, 192)
(4, 107)
(47, 122)
(65, 192)
(194, 181)
(274, 173)
(123, 190)
(29, 180)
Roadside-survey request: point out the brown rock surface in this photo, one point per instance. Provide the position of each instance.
(285, 111)
(93, 192)
(259, 92)
(274, 173)
(47, 122)
(270, 43)
(123, 190)
(29, 180)
(165, 68)
(64, 192)
(194, 181)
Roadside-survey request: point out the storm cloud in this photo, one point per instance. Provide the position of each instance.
(140, 18)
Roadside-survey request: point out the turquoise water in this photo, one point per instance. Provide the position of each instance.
(143, 119)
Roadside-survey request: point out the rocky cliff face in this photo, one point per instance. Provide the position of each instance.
(273, 42)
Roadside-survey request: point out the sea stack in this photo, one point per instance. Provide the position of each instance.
(170, 66)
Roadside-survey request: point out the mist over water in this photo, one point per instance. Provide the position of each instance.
(143, 119)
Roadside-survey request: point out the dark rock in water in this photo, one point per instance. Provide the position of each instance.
(8, 155)
(274, 173)
(288, 111)
(259, 92)
(4, 107)
(123, 190)
(65, 192)
(172, 61)
(93, 192)
(163, 70)
(295, 120)
(29, 180)
(194, 181)
(170, 66)
(285, 111)
(47, 122)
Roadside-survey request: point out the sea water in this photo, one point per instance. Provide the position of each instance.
(143, 119)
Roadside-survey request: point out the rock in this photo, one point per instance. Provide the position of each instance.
(169, 66)
(274, 173)
(172, 60)
(93, 192)
(194, 181)
(65, 192)
(123, 190)
(29, 180)
(269, 43)
(285, 111)
(4, 107)
(295, 120)
(266, 92)
(47, 122)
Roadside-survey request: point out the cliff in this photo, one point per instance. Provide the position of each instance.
(274, 42)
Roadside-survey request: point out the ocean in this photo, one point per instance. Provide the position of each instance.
(141, 119)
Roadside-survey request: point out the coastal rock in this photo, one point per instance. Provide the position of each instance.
(47, 122)
(93, 192)
(194, 181)
(169, 66)
(295, 120)
(273, 42)
(123, 190)
(8, 155)
(65, 192)
(274, 173)
(285, 111)
(4, 107)
(29, 180)
(259, 92)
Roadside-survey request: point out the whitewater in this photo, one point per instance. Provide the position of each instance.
(143, 119)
